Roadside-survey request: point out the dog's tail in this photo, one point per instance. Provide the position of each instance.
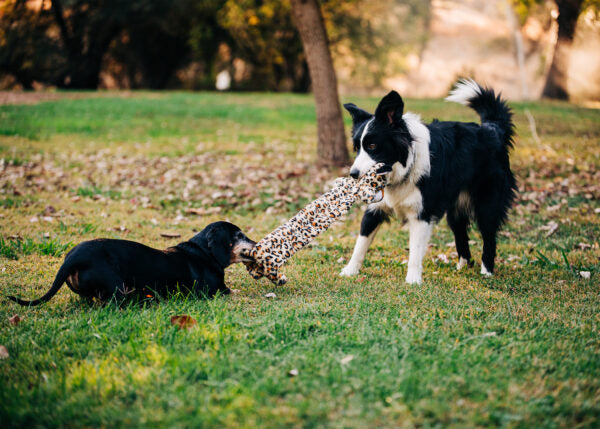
(59, 280)
(492, 109)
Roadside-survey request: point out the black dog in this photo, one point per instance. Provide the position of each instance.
(105, 268)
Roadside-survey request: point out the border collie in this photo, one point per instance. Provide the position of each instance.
(457, 169)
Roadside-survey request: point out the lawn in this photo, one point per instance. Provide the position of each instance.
(520, 349)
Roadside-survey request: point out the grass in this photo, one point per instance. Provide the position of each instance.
(520, 349)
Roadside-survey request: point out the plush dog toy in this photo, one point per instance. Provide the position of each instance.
(276, 248)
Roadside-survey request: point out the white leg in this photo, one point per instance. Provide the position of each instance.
(485, 271)
(358, 256)
(419, 233)
(462, 262)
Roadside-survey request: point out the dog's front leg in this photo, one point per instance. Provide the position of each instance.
(419, 233)
(371, 221)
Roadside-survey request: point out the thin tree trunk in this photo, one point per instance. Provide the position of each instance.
(556, 81)
(519, 49)
(331, 147)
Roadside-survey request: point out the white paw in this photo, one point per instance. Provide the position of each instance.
(349, 270)
(413, 277)
(484, 271)
(462, 262)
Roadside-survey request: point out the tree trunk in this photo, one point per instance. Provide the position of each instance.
(556, 81)
(331, 146)
(519, 49)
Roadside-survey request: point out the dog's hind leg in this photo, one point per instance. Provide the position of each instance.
(371, 221)
(488, 223)
(103, 283)
(459, 224)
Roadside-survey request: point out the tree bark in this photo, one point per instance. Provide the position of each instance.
(331, 146)
(556, 81)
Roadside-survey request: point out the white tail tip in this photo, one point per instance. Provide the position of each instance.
(464, 91)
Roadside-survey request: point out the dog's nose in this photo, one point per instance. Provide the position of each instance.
(354, 173)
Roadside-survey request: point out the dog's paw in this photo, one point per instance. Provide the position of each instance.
(413, 278)
(484, 271)
(462, 262)
(349, 270)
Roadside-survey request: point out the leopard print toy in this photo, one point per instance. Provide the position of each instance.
(276, 248)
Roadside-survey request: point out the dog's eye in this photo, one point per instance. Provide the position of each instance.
(371, 146)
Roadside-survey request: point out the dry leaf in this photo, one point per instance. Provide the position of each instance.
(270, 295)
(183, 321)
(3, 352)
(195, 211)
(585, 274)
(551, 227)
(15, 320)
(443, 258)
(49, 211)
(293, 372)
(346, 359)
(170, 235)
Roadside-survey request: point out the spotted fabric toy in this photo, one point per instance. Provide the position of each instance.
(276, 248)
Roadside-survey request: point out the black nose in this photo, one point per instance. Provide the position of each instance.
(354, 173)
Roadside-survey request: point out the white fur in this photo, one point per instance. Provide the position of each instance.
(363, 161)
(402, 198)
(462, 262)
(419, 233)
(358, 256)
(485, 271)
(421, 138)
(464, 91)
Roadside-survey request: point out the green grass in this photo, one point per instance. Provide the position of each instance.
(520, 349)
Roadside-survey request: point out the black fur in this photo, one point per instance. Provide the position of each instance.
(105, 268)
(371, 220)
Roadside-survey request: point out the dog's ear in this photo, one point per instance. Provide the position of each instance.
(358, 115)
(220, 243)
(390, 109)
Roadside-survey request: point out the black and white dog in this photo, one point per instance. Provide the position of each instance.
(458, 169)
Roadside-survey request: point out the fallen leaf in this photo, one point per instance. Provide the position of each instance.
(585, 274)
(270, 295)
(293, 372)
(15, 320)
(183, 321)
(551, 227)
(170, 235)
(49, 210)
(195, 211)
(3, 353)
(443, 258)
(346, 359)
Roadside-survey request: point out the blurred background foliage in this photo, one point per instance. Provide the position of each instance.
(418, 47)
(186, 43)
